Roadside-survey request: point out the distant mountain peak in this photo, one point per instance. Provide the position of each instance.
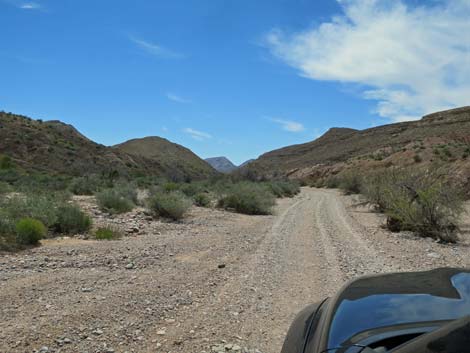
(221, 164)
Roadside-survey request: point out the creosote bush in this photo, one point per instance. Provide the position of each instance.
(248, 198)
(202, 199)
(111, 200)
(87, 185)
(72, 220)
(422, 201)
(350, 182)
(30, 231)
(40, 207)
(107, 233)
(284, 188)
(172, 205)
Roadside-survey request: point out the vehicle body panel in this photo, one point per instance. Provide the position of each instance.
(380, 307)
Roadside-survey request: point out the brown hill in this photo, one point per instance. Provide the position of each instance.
(177, 160)
(58, 148)
(442, 136)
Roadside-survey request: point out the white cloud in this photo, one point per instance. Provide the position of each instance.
(411, 60)
(176, 98)
(289, 125)
(197, 135)
(30, 6)
(155, 49)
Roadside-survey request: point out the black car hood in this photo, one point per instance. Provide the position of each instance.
(398, 299)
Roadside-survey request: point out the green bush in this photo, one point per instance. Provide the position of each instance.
(29, 231)
(112, 201)
(248, 198)
(350, 183)
(173, 205)
(4, 188)
(40, 207)
(202, 200)
(72, 220)
(107, 233)
(8, 240)
(128, 191)
(332, 182)
(284, 188)
(6, 162)
(87, 185)
(192, 189)
(419, 201)
(376, 187)
(417, 158)
(170, 187)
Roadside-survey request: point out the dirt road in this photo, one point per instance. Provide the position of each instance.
(218, 281)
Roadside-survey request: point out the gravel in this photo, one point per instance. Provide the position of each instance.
(214, 282)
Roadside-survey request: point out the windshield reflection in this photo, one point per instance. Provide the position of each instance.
(387, 309)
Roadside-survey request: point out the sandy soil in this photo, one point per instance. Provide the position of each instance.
(216, 281)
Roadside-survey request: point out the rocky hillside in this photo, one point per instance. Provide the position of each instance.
(176, 160)
(221, 164)
(439, 137)
(57, 148)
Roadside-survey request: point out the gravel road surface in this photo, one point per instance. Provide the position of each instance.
(216, 282)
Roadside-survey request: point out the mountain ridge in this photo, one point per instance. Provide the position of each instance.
(401, 143)
(55, 147)
(221, 164)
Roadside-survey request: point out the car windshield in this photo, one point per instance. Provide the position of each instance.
(381, 310)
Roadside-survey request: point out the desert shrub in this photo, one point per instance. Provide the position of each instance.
(87, 185)
(248, 198)
(202, 199)
(466, 153)
(8, 240)
(35, 182)
(6, 162)
(284, 188)
(192, 189)
(419, 201)
(29, 231)
(350, 183)
(107, 233)
(446, 151)
(72, 220)
(4, 188)
(170, 187)
(332, 182)
(172, 205)
(376, 187)
(110, 200)
(40, 207)
(128, 191)
(417, 158)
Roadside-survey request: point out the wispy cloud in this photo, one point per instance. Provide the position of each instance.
(30, 6)
(24, 5)
(197, 135)
(288, 125)
(176, 98)
(155, 49)
(410, 60)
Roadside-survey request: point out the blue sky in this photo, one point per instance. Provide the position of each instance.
(232, 77)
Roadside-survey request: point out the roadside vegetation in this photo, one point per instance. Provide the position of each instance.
(36, 206)
(27, 218)
(422, 201)
(107, 233)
